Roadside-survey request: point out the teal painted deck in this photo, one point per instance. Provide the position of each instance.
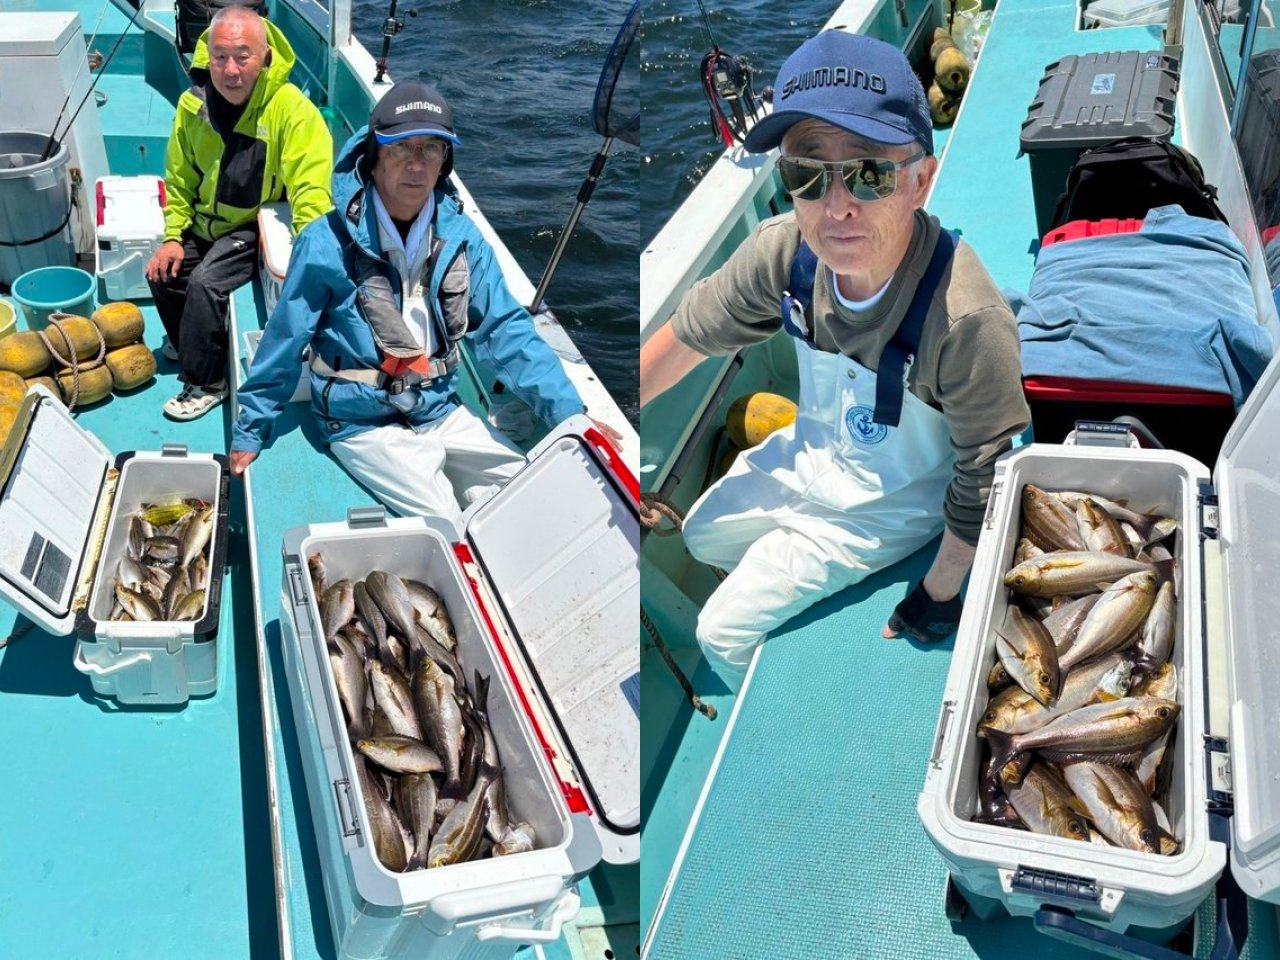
(808, 844)
(132, 833)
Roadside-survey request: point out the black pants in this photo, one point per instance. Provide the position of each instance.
(193, 305)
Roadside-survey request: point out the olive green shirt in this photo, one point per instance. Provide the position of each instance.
(968, 364)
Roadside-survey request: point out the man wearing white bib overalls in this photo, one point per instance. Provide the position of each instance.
(910, 384)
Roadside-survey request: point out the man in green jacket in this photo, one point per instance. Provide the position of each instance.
(241, 138)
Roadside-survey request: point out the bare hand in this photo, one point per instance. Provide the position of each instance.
(610, 434)
(167, 261)
(240, 460)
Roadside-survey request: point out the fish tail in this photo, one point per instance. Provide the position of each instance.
(452, 790)
(1002, 750)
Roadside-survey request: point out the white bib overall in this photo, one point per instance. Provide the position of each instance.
(817, 506)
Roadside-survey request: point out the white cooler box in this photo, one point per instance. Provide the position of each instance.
(542, 584)
(1228, 742)
(130, 229)
(275, 246)
(64, 504)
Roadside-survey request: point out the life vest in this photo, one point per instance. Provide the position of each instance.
(402, 364)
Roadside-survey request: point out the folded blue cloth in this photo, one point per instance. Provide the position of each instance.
(1170, 305)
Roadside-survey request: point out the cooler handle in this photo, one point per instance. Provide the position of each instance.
(84, 666)
(117, 267)
(464, 907)
(173, 450)
(1061, 924)
(565, 911)
(358, 517)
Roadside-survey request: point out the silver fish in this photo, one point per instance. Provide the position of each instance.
(1026, 650)
(1163, 682)
(1099, 530)
(196, 537)
(1101, 729)
(1156, 644)
(1016, 711)
(441, 721)
(520, 838)
(348, 675)
(1147, 769)
(459, 836)
(388, 832)
(1069, 573)
(337, 607)
(175, 591)
(415, 796)
(1026, 550)
(423, 644)
(1117, 805)
(432, 613)
(316, 569)
(161, 550)
(372, 616)
(499, 819)
(199, 573)
(392, 597)
(1065, 621)
(1045, 804)
(396, 701)
(131, 573)
(190, 607)
(139, 533)
(400, 754)
(1114, 619)
(136, 605)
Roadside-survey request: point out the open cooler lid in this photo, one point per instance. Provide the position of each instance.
(1247, 481)
(559, 546)
(52, 476)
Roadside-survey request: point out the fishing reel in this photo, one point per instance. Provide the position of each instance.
(390, 27)
(726, 81)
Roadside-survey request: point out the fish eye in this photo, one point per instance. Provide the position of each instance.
(1147, 836)
(1076, 827)
(1162, 713)
(989, 715)
(1044, 678)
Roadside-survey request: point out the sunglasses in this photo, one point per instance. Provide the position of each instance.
(868, 179)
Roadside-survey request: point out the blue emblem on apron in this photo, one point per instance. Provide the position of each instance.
(862, 428)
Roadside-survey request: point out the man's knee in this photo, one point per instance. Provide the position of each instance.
(727, 633)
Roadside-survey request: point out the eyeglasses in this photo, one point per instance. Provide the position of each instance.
(868, 179)
(429, 148)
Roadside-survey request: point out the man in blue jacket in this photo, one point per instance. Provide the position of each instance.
(383, 289)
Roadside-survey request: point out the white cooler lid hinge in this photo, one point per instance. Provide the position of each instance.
(1207, 508)
(1060, 888)
(1217, 764)
(989, 520)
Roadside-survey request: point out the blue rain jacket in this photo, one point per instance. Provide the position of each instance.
(317, 308)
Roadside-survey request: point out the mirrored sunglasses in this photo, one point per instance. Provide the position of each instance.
(868, 179)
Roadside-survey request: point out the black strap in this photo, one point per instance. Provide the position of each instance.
(798, 297)
(900, 351)
(52, 233)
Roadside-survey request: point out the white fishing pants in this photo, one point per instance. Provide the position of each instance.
(429, 471)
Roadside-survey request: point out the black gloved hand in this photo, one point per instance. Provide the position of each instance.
(926, 619)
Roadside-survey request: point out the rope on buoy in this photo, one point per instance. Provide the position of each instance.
(56, 319)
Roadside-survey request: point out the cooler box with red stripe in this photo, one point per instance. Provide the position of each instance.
(1190, 420)
(130, 219)
(542, 583)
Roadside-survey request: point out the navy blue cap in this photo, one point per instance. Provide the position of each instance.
(412, 108)
(850, 81)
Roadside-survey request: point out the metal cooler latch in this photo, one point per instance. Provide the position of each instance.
(1059, 887)
(1207, 509)
(346, 804)
(363, 517)
(1101, 433)
(173, 450)
(989, 520)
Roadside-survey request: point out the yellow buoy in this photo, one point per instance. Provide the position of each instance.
(939, 45)
(24, 353)
(82, 334)
(943, 107)
(952, 70)
(8, 414)
(121, 323)
(95, 384)
(12, 387)
(48, 383)
(753, 416)
(131, 366)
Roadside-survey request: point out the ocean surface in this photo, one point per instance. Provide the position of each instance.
(677, 139)
(521, 77)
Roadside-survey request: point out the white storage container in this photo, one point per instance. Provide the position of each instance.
(1126, 13)
(64, 505)
(130, 229)
(542, 584)
(1228, 751)
(275, 246)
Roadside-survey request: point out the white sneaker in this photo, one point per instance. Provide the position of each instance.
(195, 402)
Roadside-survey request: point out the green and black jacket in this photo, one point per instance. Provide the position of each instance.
(280, 150)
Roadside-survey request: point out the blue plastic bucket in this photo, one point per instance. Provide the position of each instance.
(49, 290)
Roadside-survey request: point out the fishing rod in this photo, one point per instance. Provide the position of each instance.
(74, 80)
(615, 115)
(390, 27)
(48, 147)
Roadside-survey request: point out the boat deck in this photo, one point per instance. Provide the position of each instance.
(797, 845)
